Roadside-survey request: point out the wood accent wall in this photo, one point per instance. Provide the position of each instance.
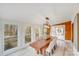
(68, 28)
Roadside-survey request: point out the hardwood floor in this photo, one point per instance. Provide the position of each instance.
(29, 51)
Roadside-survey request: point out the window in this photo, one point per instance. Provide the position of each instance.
(10, 36)
(37, 32)
(28, 34)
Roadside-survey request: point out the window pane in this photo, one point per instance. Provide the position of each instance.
(10, 36)
(28, 34)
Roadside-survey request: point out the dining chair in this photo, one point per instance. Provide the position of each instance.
(50, 49)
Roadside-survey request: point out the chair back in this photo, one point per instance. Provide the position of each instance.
(52, 44)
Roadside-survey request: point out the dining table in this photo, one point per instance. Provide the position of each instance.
(40, 44)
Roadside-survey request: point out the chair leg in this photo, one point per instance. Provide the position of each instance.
(55, 47)
(49, 54)
(53, 51)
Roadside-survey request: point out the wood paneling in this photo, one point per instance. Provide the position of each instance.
(72, 32)
(68, 30)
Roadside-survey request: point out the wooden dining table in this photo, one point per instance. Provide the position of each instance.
(40, 44)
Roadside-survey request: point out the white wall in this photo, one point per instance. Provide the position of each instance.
(76, 39)
(1, 37)
(75, 32)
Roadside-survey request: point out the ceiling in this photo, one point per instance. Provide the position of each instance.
(35, 13)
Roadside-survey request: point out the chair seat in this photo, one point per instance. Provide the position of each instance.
(51, 47)
(48, 50)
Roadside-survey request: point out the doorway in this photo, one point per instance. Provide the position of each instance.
(58, 31)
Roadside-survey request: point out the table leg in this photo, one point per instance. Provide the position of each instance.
(37, 52)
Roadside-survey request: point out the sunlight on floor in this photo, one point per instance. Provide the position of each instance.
(29, 51)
